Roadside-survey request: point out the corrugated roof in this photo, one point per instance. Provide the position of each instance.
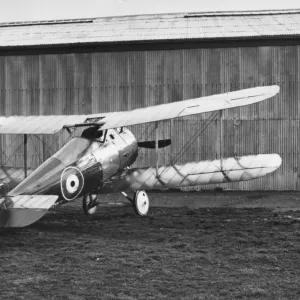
(145, 28)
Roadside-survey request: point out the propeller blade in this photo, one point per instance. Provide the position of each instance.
(151, 144)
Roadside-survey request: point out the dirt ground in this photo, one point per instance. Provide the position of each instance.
(225, 245)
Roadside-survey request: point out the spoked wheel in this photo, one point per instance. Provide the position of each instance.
(89, 204)
(141, 203)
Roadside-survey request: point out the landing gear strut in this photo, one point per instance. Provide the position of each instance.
(140, 202)
(89, 204)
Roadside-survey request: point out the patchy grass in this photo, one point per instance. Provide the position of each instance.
(174, 253)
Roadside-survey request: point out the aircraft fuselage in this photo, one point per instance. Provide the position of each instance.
(82, 165)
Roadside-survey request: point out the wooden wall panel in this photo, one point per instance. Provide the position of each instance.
(81, 83)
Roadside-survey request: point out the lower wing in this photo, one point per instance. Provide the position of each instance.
(231, 169)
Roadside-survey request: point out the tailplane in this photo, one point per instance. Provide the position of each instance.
(23, 210)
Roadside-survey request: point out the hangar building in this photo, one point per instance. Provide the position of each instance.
(94, 65)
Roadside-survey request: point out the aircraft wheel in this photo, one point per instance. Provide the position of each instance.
(141, 203)
(89, 204)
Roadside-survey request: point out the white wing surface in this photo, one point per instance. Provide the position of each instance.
(189, 107)
(232, 169)
(54, 123)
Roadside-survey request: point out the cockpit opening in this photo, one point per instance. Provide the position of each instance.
(94, 133)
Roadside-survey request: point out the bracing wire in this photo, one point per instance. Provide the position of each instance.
(35, 149)
(69, 137)
(6, 156)
(145, 132)
(194, 137)
(44, 143)
(8, 159)
(51, 151)
(139, 149)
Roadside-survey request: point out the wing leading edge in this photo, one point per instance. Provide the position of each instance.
(54, 123)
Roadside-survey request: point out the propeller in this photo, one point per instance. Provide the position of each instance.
(151, 144)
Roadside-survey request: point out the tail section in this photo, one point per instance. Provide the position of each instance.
(23, 210)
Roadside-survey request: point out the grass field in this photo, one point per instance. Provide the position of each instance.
(174, 253)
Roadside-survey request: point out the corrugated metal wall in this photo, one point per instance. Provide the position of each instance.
(97, 82)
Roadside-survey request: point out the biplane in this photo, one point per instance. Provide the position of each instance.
(100, 160)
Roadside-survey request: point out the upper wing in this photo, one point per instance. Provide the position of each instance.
(40, 124)
(52, 124)
(188, 107)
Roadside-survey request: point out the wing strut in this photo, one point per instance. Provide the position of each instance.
(25, 155)
(156, 147)
(221, 139)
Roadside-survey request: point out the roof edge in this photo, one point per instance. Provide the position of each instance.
(153, 45)
(174, 14)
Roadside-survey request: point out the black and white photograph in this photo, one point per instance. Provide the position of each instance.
(149, 149)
